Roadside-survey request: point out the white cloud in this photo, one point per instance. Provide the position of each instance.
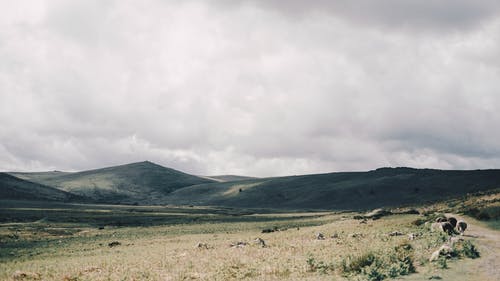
(213, 87)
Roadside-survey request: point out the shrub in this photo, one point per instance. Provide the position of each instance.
(397, 261)
(469, 250)
(402, 259)
(484, 213)
(318, 266)
(441, 263)
(418, 222)
(352, 264)
(373, 273)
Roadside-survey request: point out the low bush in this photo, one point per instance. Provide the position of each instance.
(469, 250)
(418, 222)
(442, 263)
(318, 266)
(355, 264)
(395, 262)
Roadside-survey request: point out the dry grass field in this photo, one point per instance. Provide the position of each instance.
(352, 249)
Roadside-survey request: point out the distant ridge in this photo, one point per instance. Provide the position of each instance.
(13, 188)
(147, 183)
(141, 182)
(345, 190)
(226, 178)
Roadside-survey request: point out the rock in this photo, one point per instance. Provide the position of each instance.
(238, 244)
(114, 244)
(412, 236)
(267, 230)
(202, 245)
(335, 235)
(436, 226)
(92, 269)
(320, 236)
(355, 235)
(260, 242)
(445, 250)
(395, 233)
(21, 275)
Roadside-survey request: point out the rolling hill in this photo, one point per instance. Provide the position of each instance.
(141, 183)
(13, 188)
(341, 191)
(148, 183)
(227, 178)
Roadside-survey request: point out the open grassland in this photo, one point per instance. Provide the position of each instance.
(72, 242)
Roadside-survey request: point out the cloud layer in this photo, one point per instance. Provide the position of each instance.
(256, 88)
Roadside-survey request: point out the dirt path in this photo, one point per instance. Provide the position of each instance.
(487, 267)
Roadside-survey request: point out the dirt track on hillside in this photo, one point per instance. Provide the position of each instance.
(487, 267)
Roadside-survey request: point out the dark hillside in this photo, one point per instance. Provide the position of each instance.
(350, 190)
(13, 188)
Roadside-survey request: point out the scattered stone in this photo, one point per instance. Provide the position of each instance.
(320, 236)
(238, 244)
(92, 269)
(435, 277)
(395, 233)
(412, 236)
(21, 275)
(70, 278)
(114, 244)
(364, 221)
(355, 235)
(202, 245)
(436, 226)
(261, 242)
(335, 235)
(267, 230)
(444, 250)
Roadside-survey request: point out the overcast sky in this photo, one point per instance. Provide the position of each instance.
(258, 88)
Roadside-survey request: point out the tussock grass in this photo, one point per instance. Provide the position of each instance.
(58, 250)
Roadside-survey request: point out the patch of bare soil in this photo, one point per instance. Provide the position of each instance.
(488, 242)
(487, 267)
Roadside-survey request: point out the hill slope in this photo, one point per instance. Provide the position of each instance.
(352, 190)
(227, 178)
(143, 182)
(14, 188)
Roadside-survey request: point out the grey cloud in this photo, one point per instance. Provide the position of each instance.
(250, 90)
(440, 15)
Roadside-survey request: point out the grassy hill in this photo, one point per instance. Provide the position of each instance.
(13, 188)
(346, 191)
(143, 182)
(227, 178)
